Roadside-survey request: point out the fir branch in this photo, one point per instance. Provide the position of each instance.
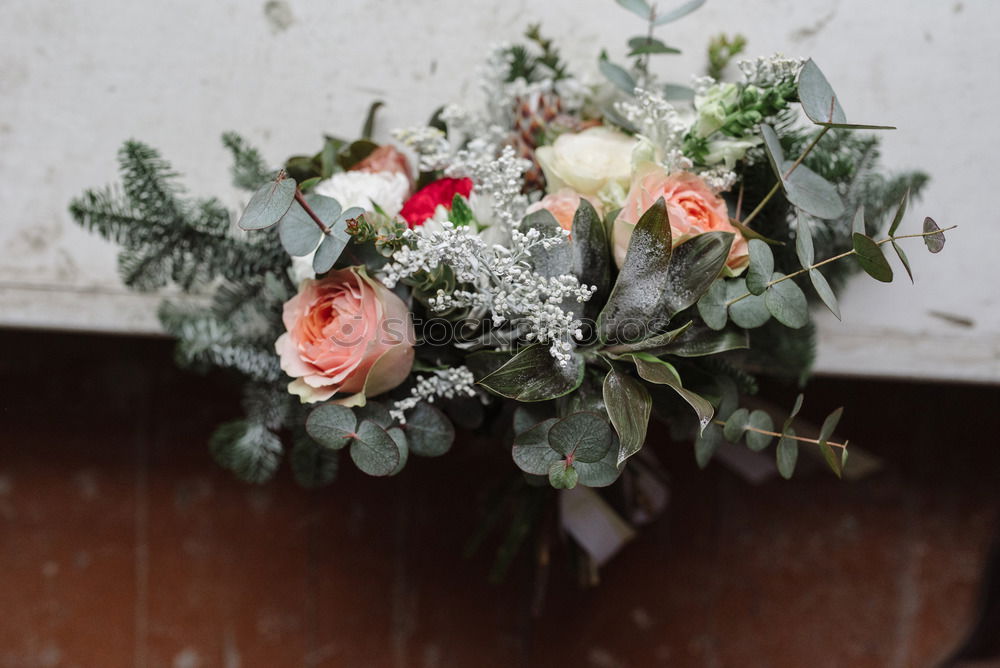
(249, 169)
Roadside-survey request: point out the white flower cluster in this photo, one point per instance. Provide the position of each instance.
(430, 144)
(502, 281)
(719, 178)
(768, 71)
(658, 120)
(500, 178)
(445, 383)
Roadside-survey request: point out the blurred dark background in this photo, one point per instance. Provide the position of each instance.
(122, 543)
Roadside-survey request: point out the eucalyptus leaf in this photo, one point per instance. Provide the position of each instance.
(900, 212)
(268, 204)
(824, 291)
(712, 305)
(628, 405)
(761, 266)
(534, 375)
(830, 425)
(786, 302)
(749, 312)
(330, 248)
(563, 475)
(655, 370)
(531, 451)
(375, 411)
(772, 147)
(787, 454)
(819, 102)
(331, 425)
(429, 432)
(707, 443)
(298, 232)
(399, 438)
(858, 222)
(677, 93)
(810, 192)
(757, 441)
(603, 472)
(830, 457)
(585, 436)
(795, 411)
(934, 242)
(616, 74)
(678, 12)
(871, 258)
(643, 45)
(736, 424)
(374, 451)
(804, 242)
(903, 258)
(857, 126)
(638, 7)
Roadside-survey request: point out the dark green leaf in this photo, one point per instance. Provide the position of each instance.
(707, 443)
(554, 261)
(369, 127)
(677, 12)
(761, 266)
(268, 204)
(563, 475)
(824, 291)
(819, 102)
(804, 242)
(786, 302)
(429, 432)
(355, 152)
(600, 473)
(531, 451)
(830, 424)
(461, 212)
(871, 259)
(749, 312)
(399, 438)
(628, 405)
(616, 74)
(934, 242)
(693, 266)
(651, 344)
(585, 435)
(900, 212)
(591, 259)
(527, 416)
(712, 305)
(736, 424)
(787, 454)
(795, 411)
(331, 425)
(902, 258)
(248, 449)
(643, 277)
(699, 341)
(642, 45)
(375, 411)
(830, 457)
(534, 375)
(374, 451)
(757, 441)
(655, 370)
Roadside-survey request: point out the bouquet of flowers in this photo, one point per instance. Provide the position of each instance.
(566, 260)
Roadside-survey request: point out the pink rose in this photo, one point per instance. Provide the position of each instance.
(562, 204)
(691, 206)
(347, 333)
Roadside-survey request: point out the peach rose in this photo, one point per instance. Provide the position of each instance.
(387, 158)
(347, 333)
(563, 204)
(691, 206)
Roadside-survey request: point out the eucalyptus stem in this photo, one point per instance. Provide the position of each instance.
(834, 259)
(722, 423)
(777, 186)
(308, 209)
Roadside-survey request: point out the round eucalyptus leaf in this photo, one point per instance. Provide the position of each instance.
(736, 424)
(268, 204)
(531, 451)
(934, 242)
(331, 425)
(757, 441)
(429, 432)
(298, 232)
(871, 258)
(819, 102)
(600, 473)
(374, 451)
(584, 436)
(329, 251)
(787, 303)
(563, 475)
(712, 306)
(749, 312)
(761, 266)
(376, 412)
(707, 443)
(399, 438)
(787, 454)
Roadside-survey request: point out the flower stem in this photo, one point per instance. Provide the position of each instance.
(722, 423)
(308, 209)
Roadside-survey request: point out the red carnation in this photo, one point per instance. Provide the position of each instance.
(442, 192)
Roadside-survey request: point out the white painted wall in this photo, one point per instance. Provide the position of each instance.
(76, 78)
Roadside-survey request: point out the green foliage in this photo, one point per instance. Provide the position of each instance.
(534, 375)
(248, 449)
(429, 432)
(537, 60)
(578, 448)
(249, 170)
(629, 405)
(721, 51)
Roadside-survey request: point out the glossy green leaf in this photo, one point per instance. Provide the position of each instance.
(693, 267)
(268, 204)
(374, 451)
(824, 291)
(903, 258)
(761, 266)
(563, 475)
(331, 425)
(900, 212)
(804, 242)
(712, 305)
(934, 242)
(736, 424)
(871, 258)
(429, 432)
(590, 257)
(628, 405)
(707, 443)
(787, 454)
(700, 341)
(757, 441)
(643, 276)
(616, 74)
(819, 102)
(787, 303)
(534, 375)
(749, 312)
(461, 213)
(556, 260)
(531, 451)
(677, 12)
(585, 436)
(654, 370)
(651, 344)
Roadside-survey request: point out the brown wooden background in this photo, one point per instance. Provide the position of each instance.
(122, 544)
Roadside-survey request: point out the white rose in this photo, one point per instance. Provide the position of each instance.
(588, 162)
(366, 189)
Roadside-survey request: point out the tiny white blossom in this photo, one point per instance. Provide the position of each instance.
(444, 383)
